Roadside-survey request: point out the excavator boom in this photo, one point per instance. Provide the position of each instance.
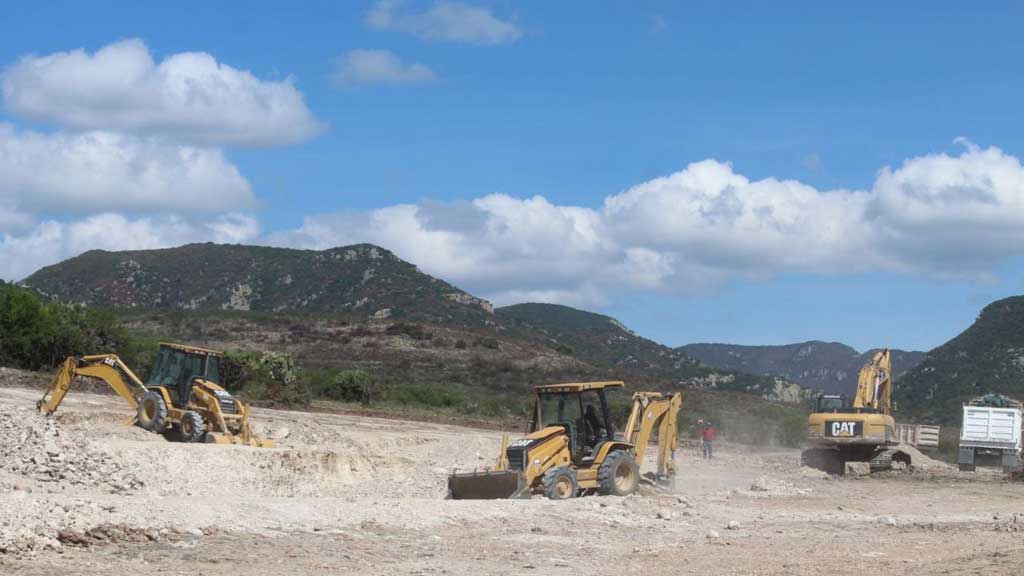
(874, 384)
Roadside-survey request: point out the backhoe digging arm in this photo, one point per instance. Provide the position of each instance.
(106, 367)
(650, 410)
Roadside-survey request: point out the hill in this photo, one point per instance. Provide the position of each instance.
(359, 315)
(363, 281)
(603, 341)
(986, 357)
(828, 366)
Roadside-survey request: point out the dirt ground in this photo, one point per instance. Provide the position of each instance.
(85, 494)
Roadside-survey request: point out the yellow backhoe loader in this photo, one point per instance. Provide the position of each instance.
(838, 433)
(183, 393)
(572, 448)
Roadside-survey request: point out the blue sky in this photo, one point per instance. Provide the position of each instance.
(574, 103)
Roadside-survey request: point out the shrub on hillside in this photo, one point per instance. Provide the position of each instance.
(269, 376)
(36, 334)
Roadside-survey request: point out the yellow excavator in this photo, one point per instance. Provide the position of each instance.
(838, 432)
(572, 447)
(183, 394)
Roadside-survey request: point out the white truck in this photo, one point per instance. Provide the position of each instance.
(990, 433)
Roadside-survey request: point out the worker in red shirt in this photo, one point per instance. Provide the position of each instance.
(707, 436)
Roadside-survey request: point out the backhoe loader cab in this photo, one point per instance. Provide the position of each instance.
(572, 447)
(581, 409)
(177, 367)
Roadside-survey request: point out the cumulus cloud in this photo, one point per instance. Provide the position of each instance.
(444, 21)
(99, 171)
(189, 96)
(935, 215)
(51, 241)
(360, 68)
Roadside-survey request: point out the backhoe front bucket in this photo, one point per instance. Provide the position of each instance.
(493, 485)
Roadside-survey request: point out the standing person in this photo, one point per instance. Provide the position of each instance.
(707, 436)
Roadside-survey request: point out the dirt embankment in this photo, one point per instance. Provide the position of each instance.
(82, 493)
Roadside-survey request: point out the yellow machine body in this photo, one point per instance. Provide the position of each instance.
(553, 459)
(208, 414)
(862, 431)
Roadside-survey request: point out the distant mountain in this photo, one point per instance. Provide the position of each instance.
(603, 341)
(828, 366)
(362, 306)
(987, 357)
(361, 280)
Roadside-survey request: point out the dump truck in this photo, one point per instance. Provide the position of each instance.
(183, 394)
(990, 433)
(573, 449)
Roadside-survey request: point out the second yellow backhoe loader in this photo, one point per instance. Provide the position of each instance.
(838, 433)
(183, 393)
(572, 448)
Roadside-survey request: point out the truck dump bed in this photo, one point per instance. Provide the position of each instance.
(990, 427)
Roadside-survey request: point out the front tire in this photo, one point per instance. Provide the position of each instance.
(559, 483)
(618, 475)
(152, 412)
(193, 429)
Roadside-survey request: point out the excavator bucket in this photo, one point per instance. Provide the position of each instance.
(491, 485)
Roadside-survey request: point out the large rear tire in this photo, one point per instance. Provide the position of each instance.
(559, 483)
(152, 412)
(618, 475)
(193, 429)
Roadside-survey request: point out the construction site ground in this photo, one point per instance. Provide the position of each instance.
(83, 493)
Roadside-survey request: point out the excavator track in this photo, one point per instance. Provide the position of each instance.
(886, 460)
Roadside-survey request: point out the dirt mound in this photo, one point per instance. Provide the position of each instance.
(922, 461)
(12, 377)
(38, 448)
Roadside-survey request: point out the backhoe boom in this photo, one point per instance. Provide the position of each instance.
(106, 367)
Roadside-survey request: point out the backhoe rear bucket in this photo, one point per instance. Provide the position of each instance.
(493, 485)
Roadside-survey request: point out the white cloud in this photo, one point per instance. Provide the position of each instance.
(444, 21)
(50, 241)
(188, 96)
(369, 67)
(936, 215)
(99, 171)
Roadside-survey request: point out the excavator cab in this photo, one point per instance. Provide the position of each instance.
(831, 403)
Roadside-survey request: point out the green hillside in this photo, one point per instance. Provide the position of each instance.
(828, 366)
(987, 357)
(363, 281)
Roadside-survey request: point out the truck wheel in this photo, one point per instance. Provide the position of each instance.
(193, 429)
(152, 412)
(559, 483)
(618, 475)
